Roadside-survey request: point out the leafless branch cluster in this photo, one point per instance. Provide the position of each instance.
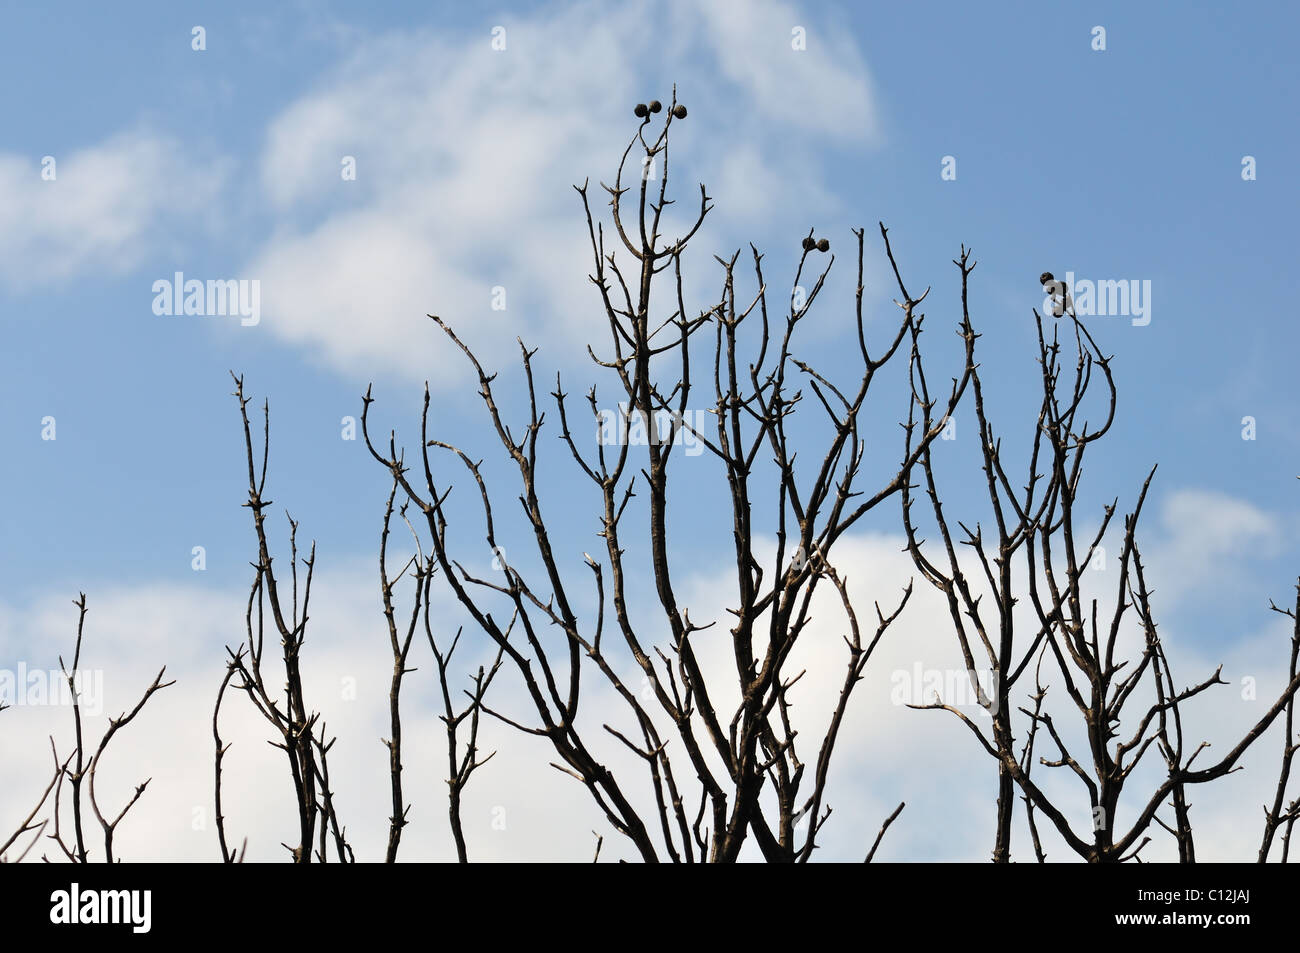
(1281, 814)
(79, 768)
(301, 739)
(461, 763)
(299, 731)
(751, 777)
(1128, 704)
(718, 759)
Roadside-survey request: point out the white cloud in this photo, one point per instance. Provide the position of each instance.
(108, 208)
(466, 157)
(1203, 540)
(824, 88)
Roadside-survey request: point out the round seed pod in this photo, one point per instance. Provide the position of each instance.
(655, 105)
(823, 245)
(640, 111)
(679, 111)
(809, 244)
(1046, 278)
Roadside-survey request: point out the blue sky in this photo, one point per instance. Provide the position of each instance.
(224, 163)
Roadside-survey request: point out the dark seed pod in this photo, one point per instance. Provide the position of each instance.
(640, 111)
(679, 111)
(823, 245)
(1046, 277)
(655, 105)
(809, 244)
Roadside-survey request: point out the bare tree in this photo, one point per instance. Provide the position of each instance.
(1127, 706)
(301, 739)
(301, 734)
(1280, 814)
(400, 638)
(461, 763)
(81, 767)
(751, 777)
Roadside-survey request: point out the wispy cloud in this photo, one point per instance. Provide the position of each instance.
(108, 207)
(1206, 540)
(465, 157)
